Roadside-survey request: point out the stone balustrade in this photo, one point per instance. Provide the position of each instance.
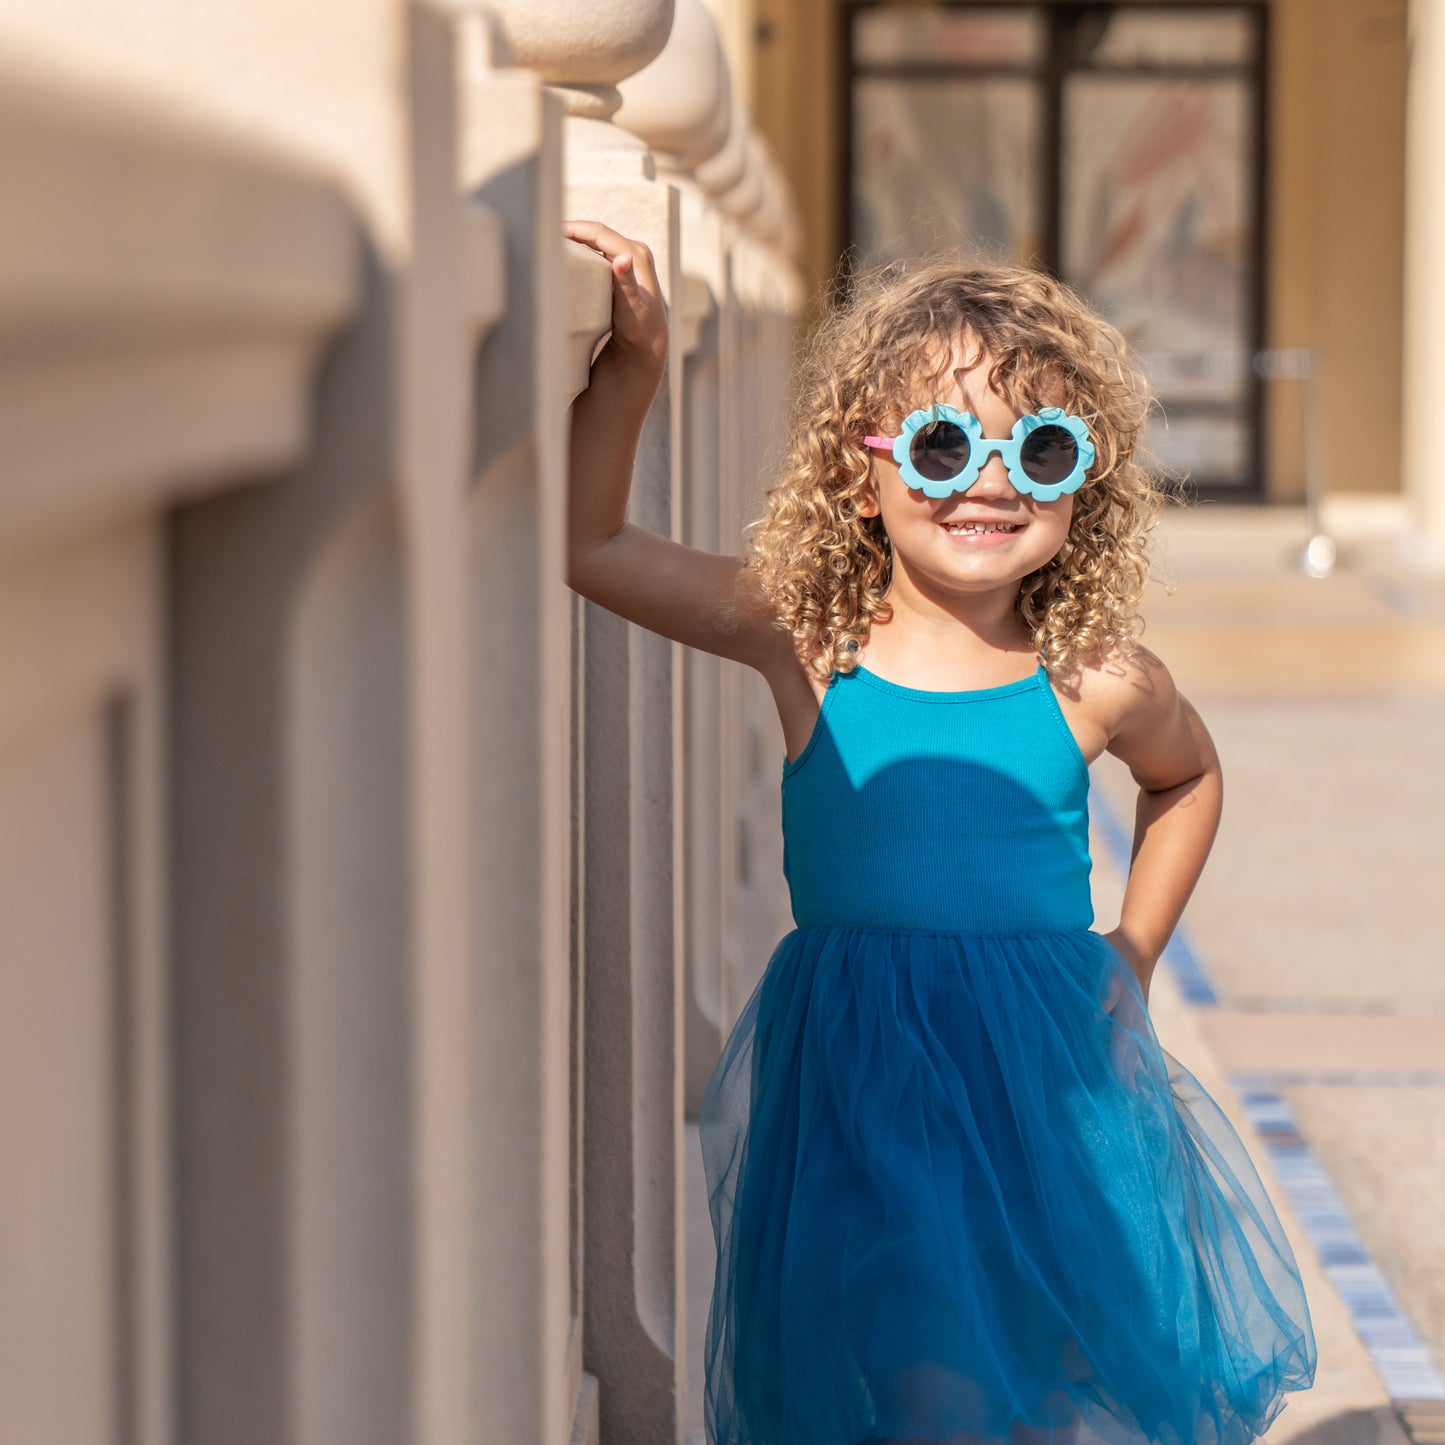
(375, 908)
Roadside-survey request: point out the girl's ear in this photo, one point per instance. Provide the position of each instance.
(867, 501)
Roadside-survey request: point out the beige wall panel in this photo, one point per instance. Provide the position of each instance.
(58, 1346)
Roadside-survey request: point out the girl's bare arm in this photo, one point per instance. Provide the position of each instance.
(699, 598)
(1153, 729)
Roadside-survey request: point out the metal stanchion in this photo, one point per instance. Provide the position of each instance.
(1319, 554)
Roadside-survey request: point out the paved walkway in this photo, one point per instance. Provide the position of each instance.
(1307, 990)
(1315, 927)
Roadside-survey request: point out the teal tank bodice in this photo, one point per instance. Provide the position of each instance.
(959, 811)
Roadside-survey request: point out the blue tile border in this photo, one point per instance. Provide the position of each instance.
(1400, 1358)
(1403, 1362)
(1355, 1078)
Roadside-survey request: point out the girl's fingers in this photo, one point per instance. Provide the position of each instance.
(614, 246)
(638, 316)
(636, 291)
(601, 238)
(624, 273)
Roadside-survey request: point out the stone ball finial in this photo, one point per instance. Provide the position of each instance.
(724, 169)
(583, 48)
(680, 104)
(747, 195)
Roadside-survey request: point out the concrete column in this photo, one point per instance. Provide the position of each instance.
(1424, 362)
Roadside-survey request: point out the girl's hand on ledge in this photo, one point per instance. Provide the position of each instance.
(639, 321)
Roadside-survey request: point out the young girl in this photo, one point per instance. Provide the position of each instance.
(960, 1193)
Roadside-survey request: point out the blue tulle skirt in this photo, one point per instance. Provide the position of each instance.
(961, 1194)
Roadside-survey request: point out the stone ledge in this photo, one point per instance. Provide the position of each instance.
(166, 292)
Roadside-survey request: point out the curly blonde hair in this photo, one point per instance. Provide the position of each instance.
(826, 568)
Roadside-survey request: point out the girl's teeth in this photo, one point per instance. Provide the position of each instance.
(985, 527)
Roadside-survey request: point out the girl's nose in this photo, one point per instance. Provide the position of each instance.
(993, 480)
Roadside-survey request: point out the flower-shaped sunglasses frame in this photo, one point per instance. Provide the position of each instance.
(931, 438)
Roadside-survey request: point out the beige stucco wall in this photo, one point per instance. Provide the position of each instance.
(1336, 104)
(797, 109)
(1337, 178)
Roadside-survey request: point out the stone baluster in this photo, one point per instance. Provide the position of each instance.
(759, 909)
(681, 106)
(322, 642)
(292, 886)
(716, 176)
(630, 789)
(497, 1301)
(528, 860)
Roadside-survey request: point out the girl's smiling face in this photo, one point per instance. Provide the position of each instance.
(988, 537)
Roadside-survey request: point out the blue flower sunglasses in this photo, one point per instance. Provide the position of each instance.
(942, 450)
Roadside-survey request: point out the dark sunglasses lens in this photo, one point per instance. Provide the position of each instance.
(939, 451)
(1049, 454)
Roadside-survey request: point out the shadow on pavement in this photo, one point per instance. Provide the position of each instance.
(1377, 1426)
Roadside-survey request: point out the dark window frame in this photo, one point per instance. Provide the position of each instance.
(1051, 74)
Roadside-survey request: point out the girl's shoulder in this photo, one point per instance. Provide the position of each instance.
(1120, 689)
(1123, 666)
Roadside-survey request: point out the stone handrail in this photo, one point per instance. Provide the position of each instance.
(400, 968)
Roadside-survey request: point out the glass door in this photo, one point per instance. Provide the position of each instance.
(1119, 146)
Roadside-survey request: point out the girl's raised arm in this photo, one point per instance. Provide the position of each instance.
(700, 598)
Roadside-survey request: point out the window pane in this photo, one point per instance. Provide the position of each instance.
(1211, 450)
(958, 37)
(945, 163)
(1156, 217)
(1175, 37)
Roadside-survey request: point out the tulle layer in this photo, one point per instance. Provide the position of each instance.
(960, 1193)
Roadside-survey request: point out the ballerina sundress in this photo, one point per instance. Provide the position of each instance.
(959, 1192)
